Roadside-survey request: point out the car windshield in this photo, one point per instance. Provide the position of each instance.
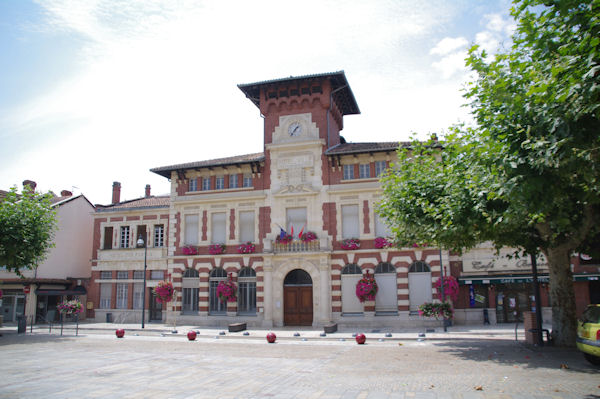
(591, 315)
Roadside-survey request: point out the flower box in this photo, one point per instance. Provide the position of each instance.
(189, 250)
(308, 236)
(351, 243)
(450, 288)
(383, 242)
(436, 310)
(70, 307)
(216, 249)
(284, 239)
(246, 248)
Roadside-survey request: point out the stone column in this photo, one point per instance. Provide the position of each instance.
(268, 294)
(325, 308)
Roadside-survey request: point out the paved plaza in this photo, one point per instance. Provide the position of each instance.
(155, 363)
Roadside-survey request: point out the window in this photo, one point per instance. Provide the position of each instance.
(219, 183)
(138, 274)
(381, 229)
(348, 172)
(247, 226)
(218, 230)
(247, 180)
(350, 227)
(190, 284)
(247, 291)
(386, 299)
(157, 275)
(122, 296)
(122, 275)
(296, 220)
(193, 184)
(215, 305)
(106, 275)
(138, 293)
(233, 181)
(105, 294)
(108, 236)
(380, 167)
(364, 170)
(159, 235)
(419, 285)
(191, 230)
(206, 183)
(125, 237)
(351, 273)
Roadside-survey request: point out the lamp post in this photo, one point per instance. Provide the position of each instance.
(141, 242)
(443, 288)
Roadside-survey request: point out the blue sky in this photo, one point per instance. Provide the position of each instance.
(93, 92)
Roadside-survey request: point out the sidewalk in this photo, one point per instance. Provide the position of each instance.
(461, 332)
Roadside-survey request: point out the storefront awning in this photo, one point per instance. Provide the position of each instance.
(543, 278)
(79, 290)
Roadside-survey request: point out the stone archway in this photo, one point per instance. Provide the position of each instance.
(280, 271)
(297, 299)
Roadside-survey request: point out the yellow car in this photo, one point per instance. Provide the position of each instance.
(588, 334)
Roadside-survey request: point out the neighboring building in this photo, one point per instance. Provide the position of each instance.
(65, 272)
(118, 264)
(307, 179)
(503, 285)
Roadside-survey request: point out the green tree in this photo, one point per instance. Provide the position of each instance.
(27, 223)
(527, 174)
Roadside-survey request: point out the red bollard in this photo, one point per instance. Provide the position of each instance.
(271, 337)
(191, 335)
(120, 333)
(360, 338)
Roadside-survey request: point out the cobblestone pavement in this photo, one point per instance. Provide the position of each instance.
(152, 365)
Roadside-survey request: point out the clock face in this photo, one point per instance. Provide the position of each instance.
(295, 129)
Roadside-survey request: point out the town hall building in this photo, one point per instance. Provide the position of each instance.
(294, 227)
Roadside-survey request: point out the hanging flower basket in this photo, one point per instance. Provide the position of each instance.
(437, 310)
(189, 250)
(216, 249)
(366, 288)
(450, 288)
(70, 307)
(286, 239)
(226, 290)
(351, 243)
(246, 248)
(383, 242)
(164, 291)
(308, 236)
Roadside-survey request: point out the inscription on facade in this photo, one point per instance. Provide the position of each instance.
(479, 260)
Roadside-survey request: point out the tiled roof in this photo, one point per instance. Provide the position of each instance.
(344, 96)
(162, 201)
(359, 148)
(236, 160)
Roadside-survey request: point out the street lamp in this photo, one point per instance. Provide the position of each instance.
(141, 242)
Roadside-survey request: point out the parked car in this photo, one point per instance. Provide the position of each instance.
(588, 334)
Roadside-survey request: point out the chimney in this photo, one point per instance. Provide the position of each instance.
(116, 194)
(147, 190)
(29, 183)
(66, 193)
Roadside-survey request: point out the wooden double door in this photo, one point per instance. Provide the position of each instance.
(297, 305)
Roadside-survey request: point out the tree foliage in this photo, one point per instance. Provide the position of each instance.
(27, 223)
(528, 174)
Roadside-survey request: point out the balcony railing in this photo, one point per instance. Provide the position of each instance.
(296, 246)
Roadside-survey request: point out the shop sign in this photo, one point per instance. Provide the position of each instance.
(486, 259)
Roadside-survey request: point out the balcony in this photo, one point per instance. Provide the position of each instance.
(296, 246)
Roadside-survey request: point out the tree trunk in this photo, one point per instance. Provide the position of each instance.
(562, 297)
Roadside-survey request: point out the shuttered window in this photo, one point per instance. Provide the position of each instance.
(218, 229)
(191, 230)
(350, 226)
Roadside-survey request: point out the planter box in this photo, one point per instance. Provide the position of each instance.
(235, 327)
(331, 328)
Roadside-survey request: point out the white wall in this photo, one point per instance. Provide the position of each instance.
(73, 238)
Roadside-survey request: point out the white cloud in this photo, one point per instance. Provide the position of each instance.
(448, 45)
(487, 41)
(451, 64)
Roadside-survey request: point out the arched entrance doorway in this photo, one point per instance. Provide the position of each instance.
(297, 299)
